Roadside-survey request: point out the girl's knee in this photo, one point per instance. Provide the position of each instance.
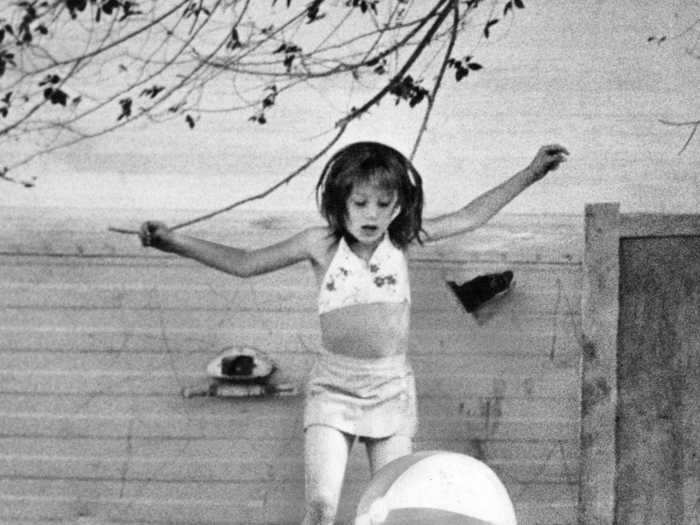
(321, 509)
(384, 451)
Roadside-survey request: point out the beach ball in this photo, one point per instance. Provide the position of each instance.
(437, 488)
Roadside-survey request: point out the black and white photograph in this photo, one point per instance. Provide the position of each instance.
(352, 262)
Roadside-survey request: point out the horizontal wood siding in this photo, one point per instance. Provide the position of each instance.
(99, 336)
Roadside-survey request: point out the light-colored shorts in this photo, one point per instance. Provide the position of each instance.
(368, 398)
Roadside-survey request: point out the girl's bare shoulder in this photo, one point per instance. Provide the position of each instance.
(318, 239)
(320, 242)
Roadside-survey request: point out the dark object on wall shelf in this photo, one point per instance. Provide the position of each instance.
(472, 294)
(238, 366)
(241, 371)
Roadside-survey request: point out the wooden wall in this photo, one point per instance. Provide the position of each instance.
(98, 337)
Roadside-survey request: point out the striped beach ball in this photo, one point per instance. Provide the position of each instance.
(437, 488)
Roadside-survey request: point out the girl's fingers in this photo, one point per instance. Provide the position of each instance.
(148, 229)
(559, 158)
(556, 149)
(154, 234)
(145, 238)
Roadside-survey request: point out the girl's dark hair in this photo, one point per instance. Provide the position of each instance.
(376, 163)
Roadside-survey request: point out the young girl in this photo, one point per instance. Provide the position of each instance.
(361, 385)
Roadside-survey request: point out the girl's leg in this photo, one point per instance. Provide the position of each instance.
(385, 450)
(326, 455)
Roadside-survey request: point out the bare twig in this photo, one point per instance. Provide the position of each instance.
(30, 127)
(257, 196)
(342, 125)
(183, 81)
(126, 38)
(438, 80)
(356, 112)
(692, 124)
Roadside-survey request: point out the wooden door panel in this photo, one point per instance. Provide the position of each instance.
(658, 379)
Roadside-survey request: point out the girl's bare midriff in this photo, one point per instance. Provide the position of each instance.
(367, 331)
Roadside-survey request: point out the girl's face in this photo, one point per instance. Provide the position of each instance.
(370, 211)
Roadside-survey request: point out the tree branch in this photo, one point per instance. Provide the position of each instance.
(693, 124)
(257, 196)
(407, 65)
(438, 80)
(342, 125)
(126, 38)
(127, 120)
(153, 54)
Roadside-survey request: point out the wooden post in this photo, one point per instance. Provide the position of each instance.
(600, 309)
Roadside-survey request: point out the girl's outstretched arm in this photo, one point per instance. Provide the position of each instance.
(485, 206)
(236, 261)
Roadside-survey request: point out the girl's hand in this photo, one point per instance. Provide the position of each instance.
(156, 234)
(548, 159)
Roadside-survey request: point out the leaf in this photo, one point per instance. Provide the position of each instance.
(488, 26)
(50, 79)
(269, 100)
(26, 35)
(127, 10)
(59, 97)
(519, 4)
(260, 118)
(75, 5)
(3, 112)
(177, 107)
(234, 40)
(152, 91)
(125, 104)
(474, 66)
(364, 5)
(507, 7)
(190, 121)
(56, 96)
(109, 6)
(408, 89)
(312, 12)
